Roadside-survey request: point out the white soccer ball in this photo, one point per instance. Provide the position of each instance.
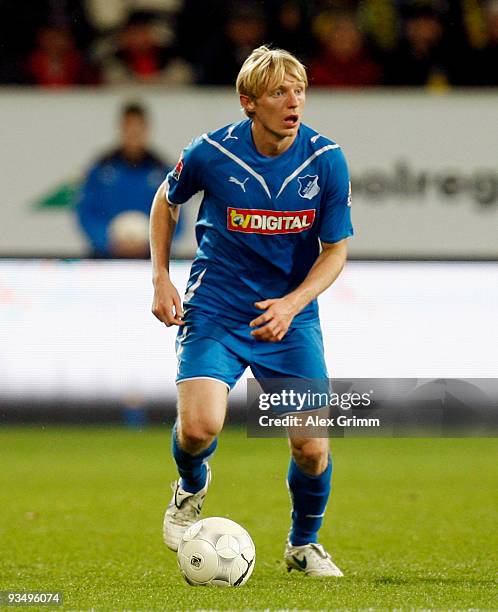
(131, 226)
(216, 551)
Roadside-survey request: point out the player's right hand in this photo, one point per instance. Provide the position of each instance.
(167, 305)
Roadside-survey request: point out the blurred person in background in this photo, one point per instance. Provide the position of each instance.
(142, 51)
(487, 57)
(378, 20)
(194, 21)
(112, 15)
(56, 62)
(20, 24)
(245, 28)
(343, 59)
(420, 58)
(125, 179)
(477, 64)
(289, 26)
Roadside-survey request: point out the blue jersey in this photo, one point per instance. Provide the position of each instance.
(261, 218)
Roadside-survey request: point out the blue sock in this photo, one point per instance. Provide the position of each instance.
(309, 499)
(192, 468)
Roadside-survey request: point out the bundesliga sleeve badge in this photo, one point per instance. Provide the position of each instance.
(178, 168)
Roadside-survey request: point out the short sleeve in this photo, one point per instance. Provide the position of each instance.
(183, 181)
(335, 217)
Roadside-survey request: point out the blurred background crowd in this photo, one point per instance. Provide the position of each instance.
(345, 43)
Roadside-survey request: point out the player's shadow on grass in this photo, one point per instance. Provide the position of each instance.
(431, 580)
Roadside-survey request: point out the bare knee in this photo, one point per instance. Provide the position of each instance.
(311, 455)
(201, 413)
(194, 437)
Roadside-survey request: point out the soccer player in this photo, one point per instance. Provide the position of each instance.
(272, 232)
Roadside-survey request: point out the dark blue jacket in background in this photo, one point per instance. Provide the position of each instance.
(115, 185)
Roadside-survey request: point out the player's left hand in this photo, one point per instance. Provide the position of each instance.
(274, 322)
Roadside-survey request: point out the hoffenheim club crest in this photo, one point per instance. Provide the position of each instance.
(308, 186)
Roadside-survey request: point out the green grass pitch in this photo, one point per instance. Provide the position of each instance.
(412, 522)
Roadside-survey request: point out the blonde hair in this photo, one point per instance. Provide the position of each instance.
(266, 69)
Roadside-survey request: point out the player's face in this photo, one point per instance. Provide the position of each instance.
(278, 111)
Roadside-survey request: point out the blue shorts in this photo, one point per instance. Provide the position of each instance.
(206, 349)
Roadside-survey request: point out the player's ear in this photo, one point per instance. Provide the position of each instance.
(247, 103)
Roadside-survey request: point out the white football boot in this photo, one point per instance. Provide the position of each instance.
(183, 510)
(312, 559)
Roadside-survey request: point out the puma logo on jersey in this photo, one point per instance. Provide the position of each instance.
(256, 221)
(241, 184)
(228, 135)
